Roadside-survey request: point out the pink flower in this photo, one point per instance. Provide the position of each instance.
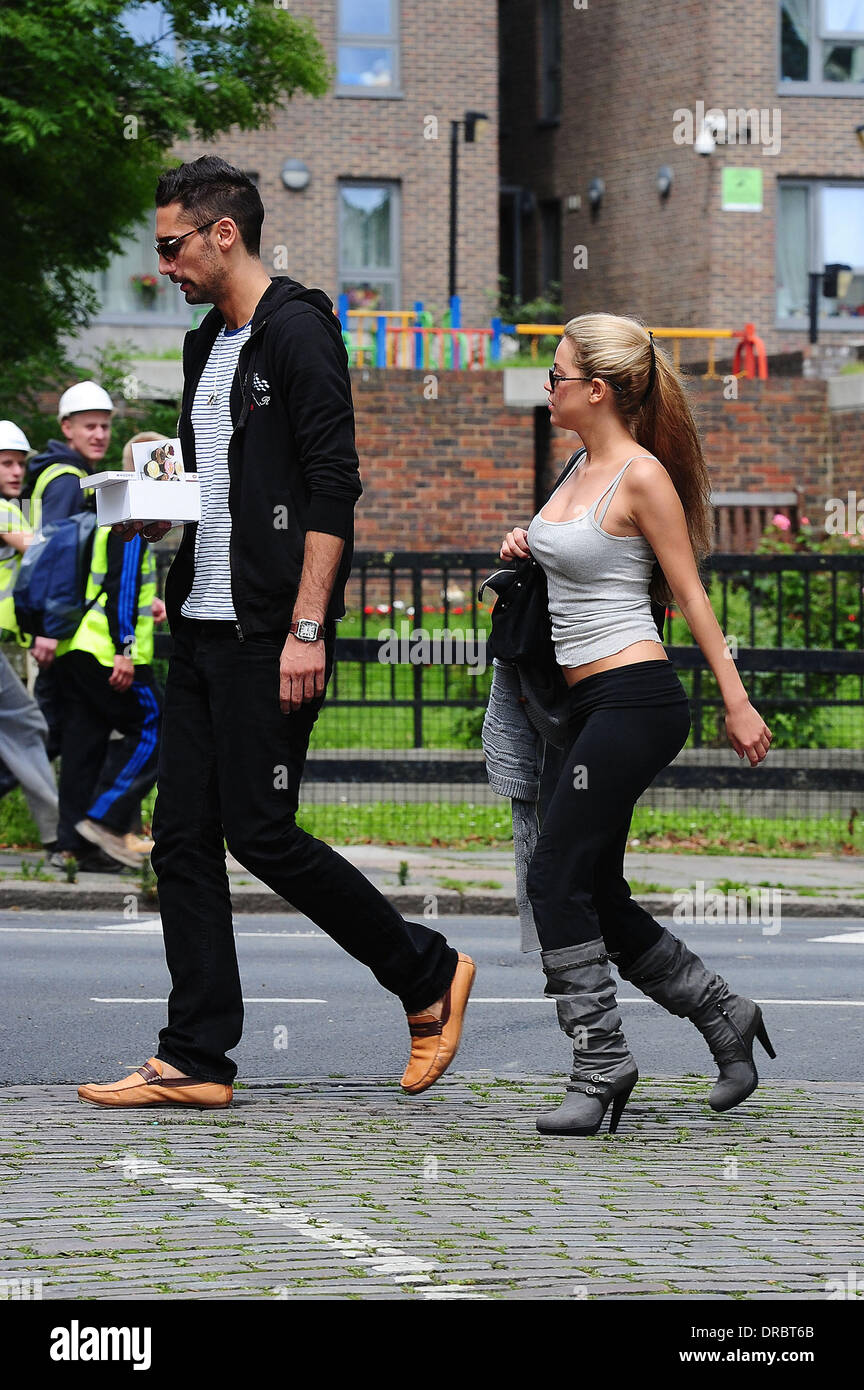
(805, 521)
(778, 519)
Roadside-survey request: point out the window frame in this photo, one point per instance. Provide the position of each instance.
(391, 41)
(815, 86)
(550, 219)
(180, 316)
(845, 323)
(343, 272)
(551, 62)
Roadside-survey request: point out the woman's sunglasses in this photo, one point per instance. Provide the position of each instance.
(555, 377)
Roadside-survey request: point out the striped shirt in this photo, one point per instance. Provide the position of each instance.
(210, 595)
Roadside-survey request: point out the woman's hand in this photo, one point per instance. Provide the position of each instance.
(748, 733)
(515, 545)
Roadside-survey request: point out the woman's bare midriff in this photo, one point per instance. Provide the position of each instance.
(636, 652)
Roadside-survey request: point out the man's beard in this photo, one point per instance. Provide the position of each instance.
(205, 291)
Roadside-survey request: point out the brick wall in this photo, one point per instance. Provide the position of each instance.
(628, 66)
(452, 473)
(458, 472)
(449, 63)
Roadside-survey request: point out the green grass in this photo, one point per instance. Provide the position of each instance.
(467, 825)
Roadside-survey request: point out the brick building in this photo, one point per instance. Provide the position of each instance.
(373, 155)
(690, 225)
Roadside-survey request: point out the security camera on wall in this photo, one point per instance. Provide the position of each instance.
(704, 142)
(711, 132)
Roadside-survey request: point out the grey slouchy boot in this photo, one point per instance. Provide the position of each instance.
(579, 980)
(671, 974)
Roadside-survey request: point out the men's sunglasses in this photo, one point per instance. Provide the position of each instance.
(166, 247)
(555, 377)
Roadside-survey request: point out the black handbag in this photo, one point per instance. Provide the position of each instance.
(521, 626)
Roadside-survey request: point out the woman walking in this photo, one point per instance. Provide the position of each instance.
(626, 526)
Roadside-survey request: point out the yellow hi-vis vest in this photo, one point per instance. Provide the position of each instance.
(57, 470)
(11, 519)
(93, 634)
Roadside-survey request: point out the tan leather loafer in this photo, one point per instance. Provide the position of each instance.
(147, 1086)
(435, 1041)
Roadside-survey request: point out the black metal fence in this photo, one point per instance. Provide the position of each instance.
(401, 726)
(793, 624)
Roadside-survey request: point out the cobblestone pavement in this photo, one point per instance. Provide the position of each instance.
(346, 1189)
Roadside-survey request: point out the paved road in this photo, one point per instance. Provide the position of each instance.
(311, 1187)
(321, 1190)
(83, 998)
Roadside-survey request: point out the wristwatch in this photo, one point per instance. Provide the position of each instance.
(306, 629)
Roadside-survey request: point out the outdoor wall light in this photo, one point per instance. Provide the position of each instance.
(295, 175)
(475, 124)
(596, 190)
(664, 180)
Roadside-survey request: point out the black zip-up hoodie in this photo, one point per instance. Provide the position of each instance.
(292, 460)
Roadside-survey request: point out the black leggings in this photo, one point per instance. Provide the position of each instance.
(627, 724)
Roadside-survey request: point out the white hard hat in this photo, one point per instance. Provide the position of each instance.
(85, 395)
(13, 438)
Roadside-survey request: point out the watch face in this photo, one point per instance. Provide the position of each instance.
(307, 630)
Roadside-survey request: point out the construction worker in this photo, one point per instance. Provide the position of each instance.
(23, 730)
(106, 682)
(53, 486)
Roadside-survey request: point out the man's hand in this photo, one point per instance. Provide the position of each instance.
(159, 611)
(43, 651)
(301, 672)
(148, 530)
(123, 674)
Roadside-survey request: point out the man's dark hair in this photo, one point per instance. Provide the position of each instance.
(209, 188)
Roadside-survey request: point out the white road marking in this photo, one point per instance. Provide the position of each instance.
(135, 927)
(856, 937)
(344, 1241)
(627, 999)
(534, 999)
(263, 1000)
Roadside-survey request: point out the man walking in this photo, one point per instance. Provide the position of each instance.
(106, 682)
(253, 597)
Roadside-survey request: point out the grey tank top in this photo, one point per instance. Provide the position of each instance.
(598, 583)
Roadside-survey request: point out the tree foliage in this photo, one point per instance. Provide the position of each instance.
(88, 115)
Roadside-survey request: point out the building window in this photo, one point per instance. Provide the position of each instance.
(369, 245)
(367, 48)
(126, 289)
(550, 49)
(822, 42)
(820, 226)
(550, 247)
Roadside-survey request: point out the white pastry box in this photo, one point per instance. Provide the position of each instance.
(128, 497)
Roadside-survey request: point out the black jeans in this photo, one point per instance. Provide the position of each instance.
(230, 770)
(101, 778)
(626, 725)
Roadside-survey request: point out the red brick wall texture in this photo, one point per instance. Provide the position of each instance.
(457, 471)
(449, 58)
(628, 66)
